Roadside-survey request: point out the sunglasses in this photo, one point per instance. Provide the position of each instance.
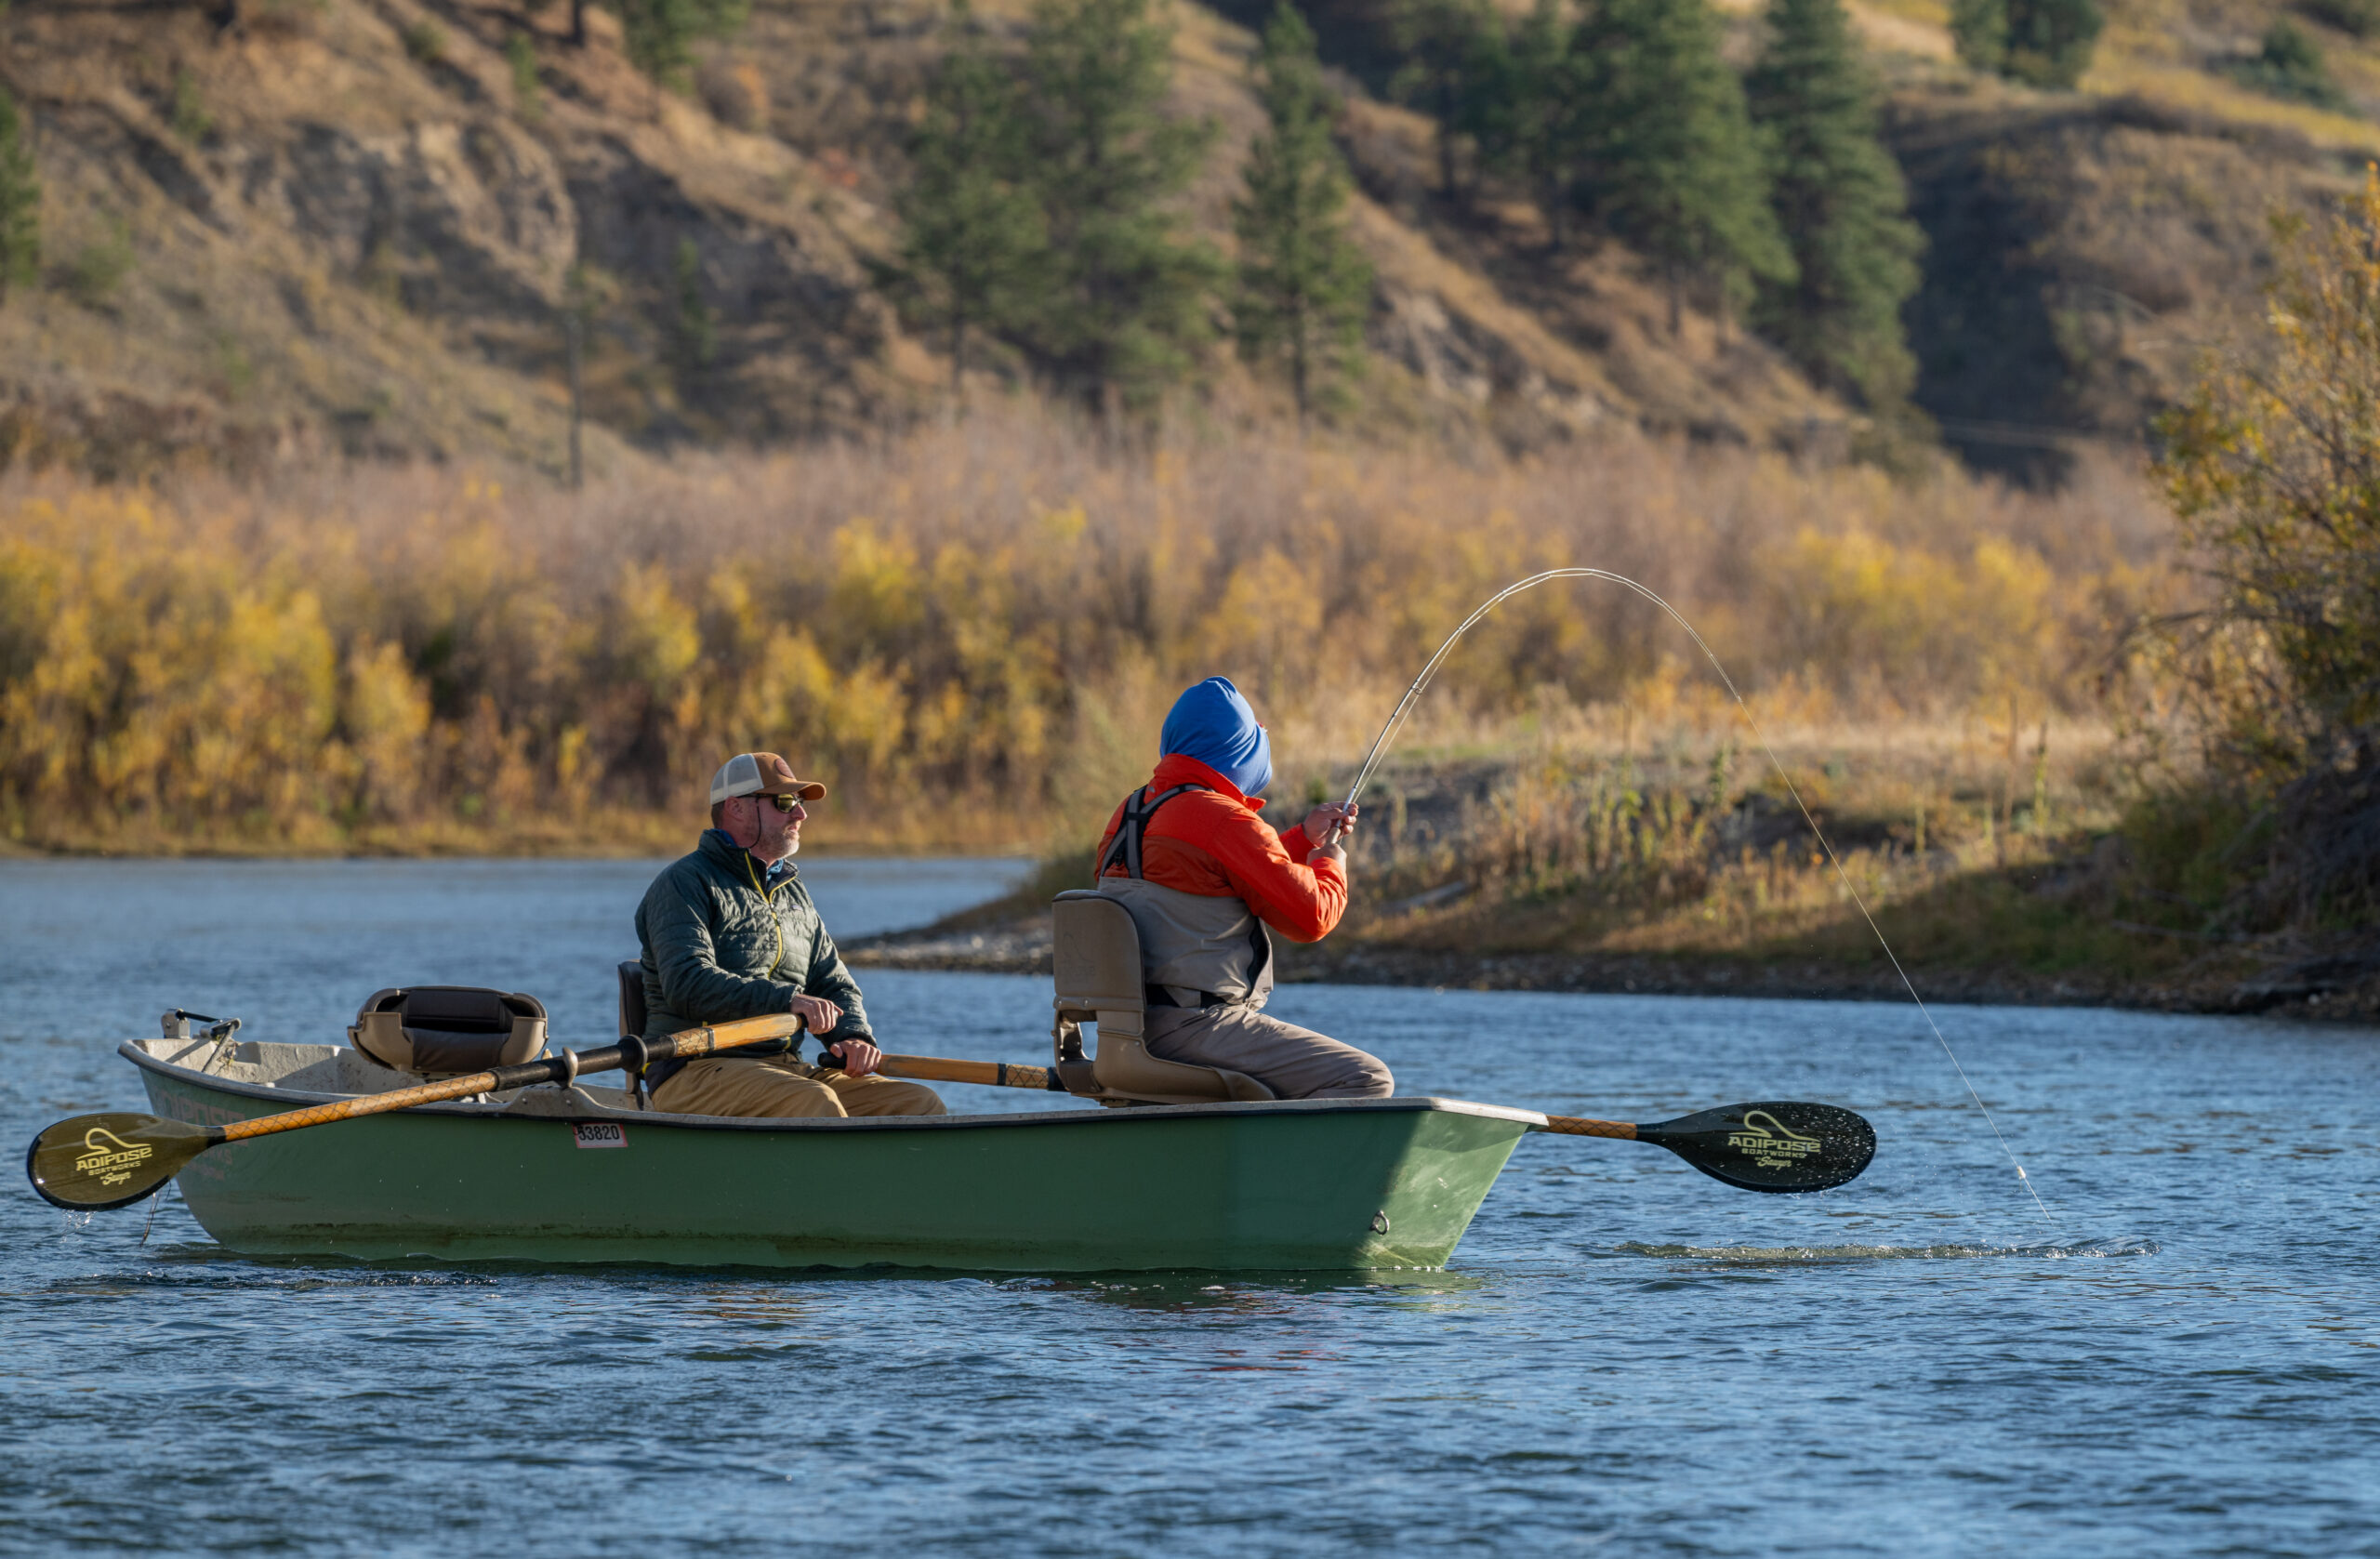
(783, 803)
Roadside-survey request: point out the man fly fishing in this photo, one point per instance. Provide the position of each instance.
(1204, 878)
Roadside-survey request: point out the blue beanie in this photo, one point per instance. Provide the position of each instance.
(1212, 723)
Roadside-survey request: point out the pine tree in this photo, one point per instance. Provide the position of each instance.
(1125, 310)
(1528, 110)
(19, 202)
(696, 335)
(1303, 284)
(2041, 42)
(971, 233)
(1674, 165)
(1839, 197)
(1979, 33)
(658, 36)
(528, 95)
(1445, 42)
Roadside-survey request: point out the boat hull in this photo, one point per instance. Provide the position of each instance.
(1308, 1187)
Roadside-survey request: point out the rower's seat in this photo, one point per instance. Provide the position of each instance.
(1095, 955)
(445, 1029)
(632, 1013)
(632, 1007)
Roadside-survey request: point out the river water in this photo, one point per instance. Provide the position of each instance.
(1625, 1357)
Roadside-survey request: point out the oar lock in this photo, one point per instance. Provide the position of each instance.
(178, 1025)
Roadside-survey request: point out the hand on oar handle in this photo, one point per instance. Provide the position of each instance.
(96, 1162)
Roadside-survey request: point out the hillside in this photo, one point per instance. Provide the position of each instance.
(343, 227)
(2088, 248)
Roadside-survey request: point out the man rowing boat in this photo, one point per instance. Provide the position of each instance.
(728, 932)
(1204, 876)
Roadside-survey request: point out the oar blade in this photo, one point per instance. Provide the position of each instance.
(94, 1162)
(1773, 1147)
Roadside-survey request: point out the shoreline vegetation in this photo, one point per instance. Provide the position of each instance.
(1466, 877)
(2059, 742)
(972, 633)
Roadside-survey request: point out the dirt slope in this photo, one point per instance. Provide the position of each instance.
(344, 227)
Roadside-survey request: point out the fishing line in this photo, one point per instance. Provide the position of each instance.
(1404, 705)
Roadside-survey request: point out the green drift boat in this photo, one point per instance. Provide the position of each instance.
(579, 1174)
(442, 1132)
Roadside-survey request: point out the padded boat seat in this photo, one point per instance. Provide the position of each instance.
(632, 1007)
(1095, 956)
(449, 1028)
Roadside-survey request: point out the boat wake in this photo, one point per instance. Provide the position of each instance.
(1746, 1255)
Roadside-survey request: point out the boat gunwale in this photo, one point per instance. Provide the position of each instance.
(132, 1050)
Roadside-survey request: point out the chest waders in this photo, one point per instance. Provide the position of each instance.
(1132, 833)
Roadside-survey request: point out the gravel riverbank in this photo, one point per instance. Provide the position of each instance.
(2329, 983)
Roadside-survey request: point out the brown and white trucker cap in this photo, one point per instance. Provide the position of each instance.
(761, 774)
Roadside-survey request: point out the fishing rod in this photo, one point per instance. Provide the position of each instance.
(1404, 706)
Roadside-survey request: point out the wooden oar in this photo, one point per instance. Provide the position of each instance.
(1777, 1145)
(95, 1162)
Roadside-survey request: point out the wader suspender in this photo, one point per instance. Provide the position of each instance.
(1139, 807)
(1129, 832)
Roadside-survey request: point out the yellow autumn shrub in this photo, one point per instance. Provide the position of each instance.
(974, 630)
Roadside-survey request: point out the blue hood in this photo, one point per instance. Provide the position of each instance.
(1212, 723)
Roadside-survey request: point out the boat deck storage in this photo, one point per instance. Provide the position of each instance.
(549, 1175)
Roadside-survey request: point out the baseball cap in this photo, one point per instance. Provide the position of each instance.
(761, 774)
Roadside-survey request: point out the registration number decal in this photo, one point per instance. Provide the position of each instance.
(600, 1133)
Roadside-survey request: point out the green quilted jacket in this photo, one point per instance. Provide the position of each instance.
(719, 947)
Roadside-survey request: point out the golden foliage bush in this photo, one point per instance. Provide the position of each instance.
(2273, 466)
(972, 633)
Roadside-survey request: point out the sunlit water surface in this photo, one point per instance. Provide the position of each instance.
(1626, 1357)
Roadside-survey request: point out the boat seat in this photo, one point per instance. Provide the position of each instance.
(631, 999)
(449, 1029)
(1095, 956)
(632, 1016)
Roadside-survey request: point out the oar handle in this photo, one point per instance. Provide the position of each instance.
(993, 1074)
(684, 1045)
(1580, 1126)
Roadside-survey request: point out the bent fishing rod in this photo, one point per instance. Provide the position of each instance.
(1404, 706)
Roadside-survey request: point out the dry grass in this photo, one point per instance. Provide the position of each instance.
(2193, 90)
(1676, 838)
(972, 633)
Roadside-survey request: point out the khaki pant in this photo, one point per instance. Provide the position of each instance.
(1294, 1063)
(781, 1086)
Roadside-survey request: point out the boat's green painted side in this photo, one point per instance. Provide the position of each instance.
(1355, 1185)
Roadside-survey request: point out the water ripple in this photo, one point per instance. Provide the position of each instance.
(2086, 1249)
(1626, 1356)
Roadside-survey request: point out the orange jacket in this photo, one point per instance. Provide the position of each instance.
(1211, 842)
